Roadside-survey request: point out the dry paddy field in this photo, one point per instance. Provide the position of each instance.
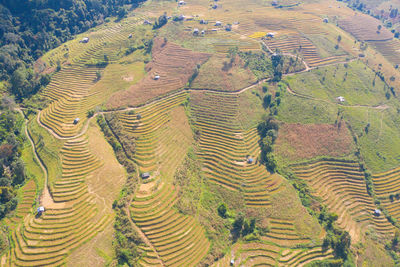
(341, 185)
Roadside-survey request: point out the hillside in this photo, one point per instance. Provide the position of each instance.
(202, 133)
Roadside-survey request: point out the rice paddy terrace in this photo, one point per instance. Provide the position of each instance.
(166, 121)
(227, 151)
(70, 220)
(386, 188)
(341, 185)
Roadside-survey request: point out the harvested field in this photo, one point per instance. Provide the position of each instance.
(174, 65)
(306, 141)
(365, 28)
(342, 187)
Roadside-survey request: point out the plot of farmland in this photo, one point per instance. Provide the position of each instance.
(365, 28)
(299, 141)
(341, 185)
(173, 64)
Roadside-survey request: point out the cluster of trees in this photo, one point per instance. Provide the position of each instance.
(12, 168)
(30, 28)
(268, 131)
(241, 225)
(258, 62)
(121, 141)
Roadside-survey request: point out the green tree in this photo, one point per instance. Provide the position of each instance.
(222, 210)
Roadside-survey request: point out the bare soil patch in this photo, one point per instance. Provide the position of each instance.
(298, 141)
(173, 64)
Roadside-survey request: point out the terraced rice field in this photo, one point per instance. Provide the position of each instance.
(25, 204)
(389, 49)
(178, 239)
(342, 187)
(173, 64)
(161, 147)
(365, 28)
(297, 43)
(386, 184)
(70, 90)
(224, 148)
(147, 129)
(69, 221)
(279, 248)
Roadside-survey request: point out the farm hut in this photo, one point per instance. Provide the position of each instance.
(274, 3)
(130, 36)
(203, 21)
(340, 99)
(215, 6)
(196, 31)
(181, 3)
(145, 175)
(146, 22)
(326, 20)
(377, 212)
(76, 120)
(84, 40)
(250, 160)
(218, 23)
(232, 262)
(228, 27)
(203, 32)
(271, 35)
(157, 77)
(40, 210)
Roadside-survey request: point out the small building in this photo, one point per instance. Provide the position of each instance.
(232, 262)
(84, 40)
(377, 212)
(181, 3)
(250, 160)
(218, 23)
(76, 120)
(146, 22)
(340, 99)
(40, 210)
(203, 32)
(326, 20)
(228, 27)
(157, 77)
(270, 35)
(130, 36)
(145, 175)
(274, 3)
(196, 31)
(203, 21)
(215, 6)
